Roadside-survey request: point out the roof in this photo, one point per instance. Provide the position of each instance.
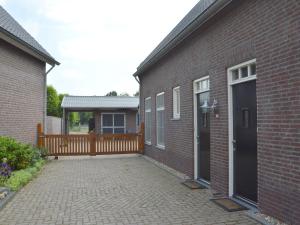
(92, 102)
(10, 27)
(200, 13)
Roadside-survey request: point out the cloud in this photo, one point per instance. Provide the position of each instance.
(100, 43)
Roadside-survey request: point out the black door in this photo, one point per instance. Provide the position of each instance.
(245, 140)
(203, 138)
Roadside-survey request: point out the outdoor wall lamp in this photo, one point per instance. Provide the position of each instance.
(213, 108)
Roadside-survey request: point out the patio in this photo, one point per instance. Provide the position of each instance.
(112, 190)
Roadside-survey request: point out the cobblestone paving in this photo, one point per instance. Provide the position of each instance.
(112, 191)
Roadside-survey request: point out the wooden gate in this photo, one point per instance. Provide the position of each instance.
(91, 144)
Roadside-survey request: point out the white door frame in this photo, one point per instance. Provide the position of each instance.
(196, 91)
(230, 83)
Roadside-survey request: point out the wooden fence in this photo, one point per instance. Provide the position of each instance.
(91, 144)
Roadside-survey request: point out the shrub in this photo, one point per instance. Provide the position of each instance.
(5, 171)
(19, 156)
(19, 178)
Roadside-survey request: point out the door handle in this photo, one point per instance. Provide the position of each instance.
(234, 145)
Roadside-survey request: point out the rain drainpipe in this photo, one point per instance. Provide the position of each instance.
(139, 111)
(45, 98)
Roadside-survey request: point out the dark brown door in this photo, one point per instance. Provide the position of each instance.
(245, 140)
(203, 138)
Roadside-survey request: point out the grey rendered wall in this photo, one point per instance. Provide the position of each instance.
(53, 125)
(22, 79)
(270, 32)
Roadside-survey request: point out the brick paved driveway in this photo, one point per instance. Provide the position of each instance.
(113, 191)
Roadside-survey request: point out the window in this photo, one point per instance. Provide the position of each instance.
(160, 114)
(202, 85)
(148, 120)
(242, 72)
(137, 121)
(113, 123)
(176, 103)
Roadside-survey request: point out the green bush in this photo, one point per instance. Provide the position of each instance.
(19, 156)
(20, 178)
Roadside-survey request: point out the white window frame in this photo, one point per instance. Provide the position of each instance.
(239, 67)
(230, 115)
(148, 142)
(158, 109)
(176, 102)
(198, 88)
(113, 120)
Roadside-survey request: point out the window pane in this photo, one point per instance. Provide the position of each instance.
(148, 126)
(160, 101)
(253, 69)
(244, 72)
(160, 127)
(176, 102)
(148, 104)
(107, 120)
(107, 130)
(235, 74)
(119, 130)
(119, 120)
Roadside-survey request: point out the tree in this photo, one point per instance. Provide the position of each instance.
(124, 94)
(85, 117)
(137, 94)
(52, 102)
(60, 110)
(74, 119)
(112, 93)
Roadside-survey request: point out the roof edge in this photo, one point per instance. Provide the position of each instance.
(210, 12)
(12, 39)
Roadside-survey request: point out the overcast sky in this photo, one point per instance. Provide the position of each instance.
(99, 43)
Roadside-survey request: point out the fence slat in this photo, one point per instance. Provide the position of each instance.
(91, 144)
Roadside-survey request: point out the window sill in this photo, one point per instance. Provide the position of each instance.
(148, 143)
(175, 119)
(160, 147)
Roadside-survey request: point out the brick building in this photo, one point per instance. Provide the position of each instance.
(22, 81)
(220, 98)
(111, 114)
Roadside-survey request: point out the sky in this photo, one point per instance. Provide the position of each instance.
(99, 43)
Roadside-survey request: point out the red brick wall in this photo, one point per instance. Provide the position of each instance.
(21, 93)
(270, 32)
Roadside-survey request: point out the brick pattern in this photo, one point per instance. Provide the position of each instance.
(270, 32)
(110, 191)
(21, 93)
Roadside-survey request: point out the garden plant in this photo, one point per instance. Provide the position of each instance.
(19, 163)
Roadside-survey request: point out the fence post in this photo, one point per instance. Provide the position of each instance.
(40, 135)
(142, 138)
(92, 143)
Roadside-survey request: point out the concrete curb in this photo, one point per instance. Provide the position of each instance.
(166, 168)
(8, 198)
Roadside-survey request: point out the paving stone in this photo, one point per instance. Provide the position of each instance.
(125, 190)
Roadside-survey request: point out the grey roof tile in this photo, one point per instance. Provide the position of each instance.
(90, 102)
(10, 25)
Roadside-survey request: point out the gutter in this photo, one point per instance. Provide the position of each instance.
(45, 98)
(49, 59)
(137, 79)
(185, 33)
